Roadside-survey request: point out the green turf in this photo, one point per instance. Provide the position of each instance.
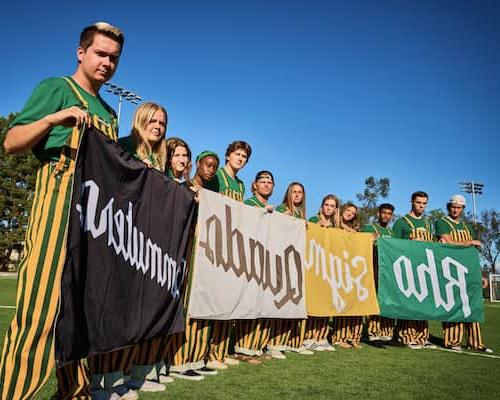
(367, 373)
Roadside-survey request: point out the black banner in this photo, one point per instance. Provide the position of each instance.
(127, 244)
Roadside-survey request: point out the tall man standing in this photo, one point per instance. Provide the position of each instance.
(414, 226)
(452, 229)
(50, 125)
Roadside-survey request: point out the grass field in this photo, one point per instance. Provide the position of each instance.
(367, 373)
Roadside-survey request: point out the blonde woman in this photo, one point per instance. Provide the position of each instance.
(147, 138)
(292, 331)
(317, 327)
(347, 330)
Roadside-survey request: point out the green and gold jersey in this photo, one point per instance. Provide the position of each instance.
(228, 186)
(55, 94)
(314, 219)
(461, 232)
(255, 202)
(377, 228)
(412, 228)
(127, 143)
(282, 208)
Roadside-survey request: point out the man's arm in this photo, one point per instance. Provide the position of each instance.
(22, 138)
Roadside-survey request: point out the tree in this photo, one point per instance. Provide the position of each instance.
(489, 234)
(375, 189)
(17, 185)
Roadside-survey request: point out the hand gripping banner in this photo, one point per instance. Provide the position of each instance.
(339, 273)
(429, 281)
(248, 263)
(127, 243)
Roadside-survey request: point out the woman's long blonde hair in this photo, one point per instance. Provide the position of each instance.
(290, 208)
(334, 220)
(143, 149)
(353, 225)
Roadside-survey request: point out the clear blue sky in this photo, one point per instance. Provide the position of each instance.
(326, 92)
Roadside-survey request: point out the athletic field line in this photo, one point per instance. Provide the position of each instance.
(469, 353)
(8, 307)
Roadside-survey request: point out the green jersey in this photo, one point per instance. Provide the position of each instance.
(55, 94)
(255, 202)
(377, 228)
(314, 219)
(227, 185)
(461, 232)
(412, 228)
(282, 208)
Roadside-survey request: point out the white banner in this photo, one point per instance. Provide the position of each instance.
(248, 263)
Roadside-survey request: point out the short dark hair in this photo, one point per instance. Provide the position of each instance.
(418, 194)
(386, 206)
(88, 33)
(237, 145)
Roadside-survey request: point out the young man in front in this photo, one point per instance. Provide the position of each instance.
(414, 226)
(380, 328)
(227, 183)
(50, 125)
(452, 229)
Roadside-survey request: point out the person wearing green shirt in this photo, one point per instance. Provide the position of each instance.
(380, 328)
(294, 204)
(50, 125)
(317, 327)
(414, 226)
(453, 229)
(226, 182)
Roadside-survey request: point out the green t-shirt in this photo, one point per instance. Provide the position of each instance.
(461, 232)
(376, 228)
(55, 94)
(255, 202)
(314, 219)
(282, 208)
(127, 144)
(411, 228)
(228, 186)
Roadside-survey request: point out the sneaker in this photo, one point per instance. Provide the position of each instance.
(266, 357)
(189, 375)
(165, 379)
(206, 371)
(328, 347)
(231, 361)
(105, 395)
(414, 346)
(305, 352)
(356, 345)
(216, 365)
(145, 385)
(344, 345)
(276, 354)
(312, 345)
(385, 338)
(458, 349)
(485, 350)
(374, 337)
(319, 347)
(429, 345)
(254, 361)
(125, 393)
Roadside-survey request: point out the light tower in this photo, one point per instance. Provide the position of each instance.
(123, 94)
(473, 188)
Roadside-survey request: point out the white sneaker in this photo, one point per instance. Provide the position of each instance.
(414, 346)
(216, 365)
(145, 386)
(231, 361)
(189, 375)
(165, 379)
(328, 347)
(386, 338)
(429, 345)
(305, 352)
(374, 337)
(458, 349)
(276, 354)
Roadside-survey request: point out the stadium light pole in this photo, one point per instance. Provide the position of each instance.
(123, 94)
(473, 188)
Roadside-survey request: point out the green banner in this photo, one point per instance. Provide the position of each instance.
(429, 281)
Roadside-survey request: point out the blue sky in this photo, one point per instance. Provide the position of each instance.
(326, 92)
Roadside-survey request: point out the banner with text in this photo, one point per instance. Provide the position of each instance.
(429, 281)
(248, 263)
(128, 235)
(339, 273)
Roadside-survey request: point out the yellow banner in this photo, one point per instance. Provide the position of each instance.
(339, 273)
